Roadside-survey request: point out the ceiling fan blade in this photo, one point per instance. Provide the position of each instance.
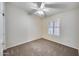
(55, 6)
(34, 8)
(50, 11)
(38, 4)
(42, 5)
(32, 11)
(33, 5)
(28, 6)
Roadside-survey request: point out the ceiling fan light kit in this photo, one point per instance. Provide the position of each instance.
(39, 13)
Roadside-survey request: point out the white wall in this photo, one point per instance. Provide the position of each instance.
(20, 27)
(68, 31)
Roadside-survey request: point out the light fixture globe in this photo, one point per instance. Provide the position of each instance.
(39, 13)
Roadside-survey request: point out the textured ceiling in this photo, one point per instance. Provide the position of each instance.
(54, 7)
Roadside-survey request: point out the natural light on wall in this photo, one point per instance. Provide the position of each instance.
(54, 28)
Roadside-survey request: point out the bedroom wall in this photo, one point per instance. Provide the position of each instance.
(20, 27)
(69, 30)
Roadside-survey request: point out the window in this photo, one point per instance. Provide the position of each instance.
(54, 28)
(50, 28)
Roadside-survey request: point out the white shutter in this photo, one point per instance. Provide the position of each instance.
(50, 28)
(57, 27)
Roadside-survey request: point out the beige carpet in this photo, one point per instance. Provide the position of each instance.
(41, 47)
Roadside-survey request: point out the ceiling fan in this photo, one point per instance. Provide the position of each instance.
(43, 8)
